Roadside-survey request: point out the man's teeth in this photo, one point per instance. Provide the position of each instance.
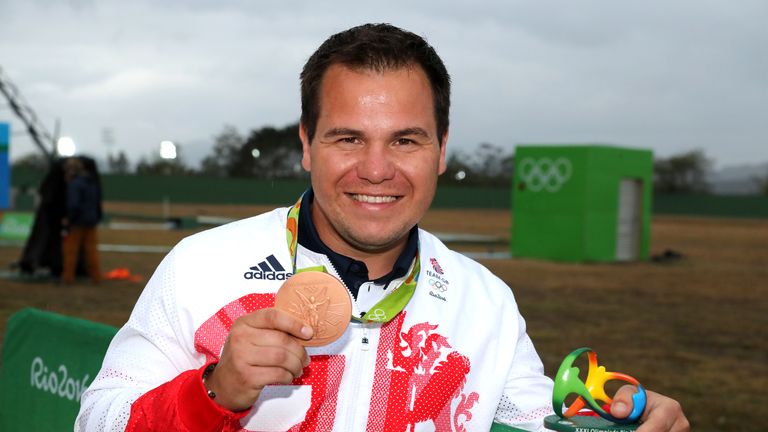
(373, 199)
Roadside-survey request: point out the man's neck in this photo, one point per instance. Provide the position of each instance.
(352, 263)
(379, 262)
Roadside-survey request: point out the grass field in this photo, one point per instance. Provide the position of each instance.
(694, 329)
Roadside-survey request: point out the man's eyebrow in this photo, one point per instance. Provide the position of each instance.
(412, 131)
(335, 132)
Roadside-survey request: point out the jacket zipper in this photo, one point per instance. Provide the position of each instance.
(351, 418)
(329, 266)
(364, 342)
(359, 371)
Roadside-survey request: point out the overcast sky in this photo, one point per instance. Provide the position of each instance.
(666, 75)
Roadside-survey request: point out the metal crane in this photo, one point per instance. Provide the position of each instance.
(40, 136)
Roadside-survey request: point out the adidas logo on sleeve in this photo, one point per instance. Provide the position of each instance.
(269, 269)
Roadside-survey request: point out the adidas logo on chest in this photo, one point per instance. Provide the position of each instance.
(269, 269)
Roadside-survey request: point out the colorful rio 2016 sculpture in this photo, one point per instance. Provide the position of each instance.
(592, 390)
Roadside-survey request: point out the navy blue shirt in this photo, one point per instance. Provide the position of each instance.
(83, 201)
(353, 272)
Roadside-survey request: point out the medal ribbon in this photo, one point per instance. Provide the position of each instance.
(383, 311)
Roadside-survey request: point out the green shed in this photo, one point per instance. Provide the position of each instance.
(581, 203)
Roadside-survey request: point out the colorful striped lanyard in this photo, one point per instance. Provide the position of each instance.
(388, 307)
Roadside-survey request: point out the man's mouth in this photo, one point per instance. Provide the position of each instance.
(374, 199)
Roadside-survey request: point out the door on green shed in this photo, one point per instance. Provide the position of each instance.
(628, 222)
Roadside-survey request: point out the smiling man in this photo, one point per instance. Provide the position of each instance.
(435, 341)
(374, 160)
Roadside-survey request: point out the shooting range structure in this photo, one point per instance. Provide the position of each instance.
(581, 203)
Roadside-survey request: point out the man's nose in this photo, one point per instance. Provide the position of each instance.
(376, 164)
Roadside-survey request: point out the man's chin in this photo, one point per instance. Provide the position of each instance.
(375, 242)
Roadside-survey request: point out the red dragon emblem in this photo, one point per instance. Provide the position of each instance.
(417, 379)
(415, 385)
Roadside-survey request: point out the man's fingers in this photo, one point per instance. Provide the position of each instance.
(661, 414)
(681, 425)
(276, 319)
(262, 348)
(658, 424)
(277, 357)
(622, 401)
(250, 344)
(285, 342)
(274, 375)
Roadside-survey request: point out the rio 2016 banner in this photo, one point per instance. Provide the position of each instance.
(49, 360)
(5, 168)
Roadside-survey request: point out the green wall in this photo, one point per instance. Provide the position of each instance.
(216, 190)
(741, 206)
(195, 189)
(281, 192)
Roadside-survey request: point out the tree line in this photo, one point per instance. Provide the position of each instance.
(275, 153)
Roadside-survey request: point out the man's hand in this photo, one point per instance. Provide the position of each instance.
(661, 413)
(262, 348)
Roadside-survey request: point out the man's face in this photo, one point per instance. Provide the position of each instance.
(374, 158)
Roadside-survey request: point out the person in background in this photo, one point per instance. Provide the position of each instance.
(79, 227)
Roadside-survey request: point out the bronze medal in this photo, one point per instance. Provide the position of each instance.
(320, 301)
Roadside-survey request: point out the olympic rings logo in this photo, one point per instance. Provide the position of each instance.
(437, 285)
(377, 315)
(544, 174)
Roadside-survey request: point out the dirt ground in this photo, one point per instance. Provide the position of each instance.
(693, 328)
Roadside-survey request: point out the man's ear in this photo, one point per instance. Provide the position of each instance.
(306, 159)
(443, 143)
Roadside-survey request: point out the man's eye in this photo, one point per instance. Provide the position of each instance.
(405, 141)
(349, 140)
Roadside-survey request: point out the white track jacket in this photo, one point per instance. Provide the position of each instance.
(456, 358)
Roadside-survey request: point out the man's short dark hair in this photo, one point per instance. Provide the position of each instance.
(376, 47)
